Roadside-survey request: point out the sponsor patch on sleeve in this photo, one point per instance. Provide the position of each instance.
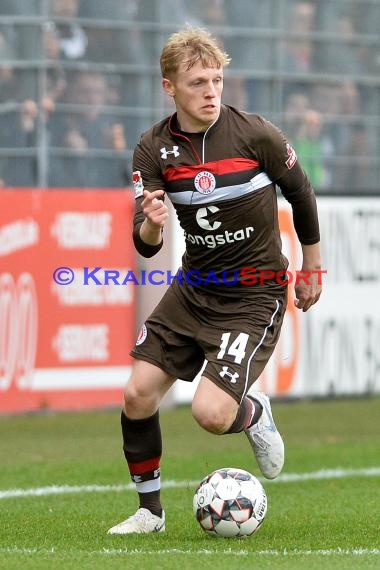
(137, 183)
(142, 335)
(292, 157)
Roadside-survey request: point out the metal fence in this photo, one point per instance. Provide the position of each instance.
(79, 82)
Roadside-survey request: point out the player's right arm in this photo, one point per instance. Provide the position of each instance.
(156, 213)
(151, 212)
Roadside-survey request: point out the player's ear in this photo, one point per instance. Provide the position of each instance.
(168, 87)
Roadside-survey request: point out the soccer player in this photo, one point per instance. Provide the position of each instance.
(219, 167)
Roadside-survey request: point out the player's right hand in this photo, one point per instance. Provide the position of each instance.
(155, 211)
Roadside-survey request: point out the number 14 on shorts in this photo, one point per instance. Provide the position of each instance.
(235, 349)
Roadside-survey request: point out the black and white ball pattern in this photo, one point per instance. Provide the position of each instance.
(230, 502)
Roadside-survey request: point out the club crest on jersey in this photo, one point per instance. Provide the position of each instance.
(205, 182)
(142, 335)
(165, 153)
(137, 183)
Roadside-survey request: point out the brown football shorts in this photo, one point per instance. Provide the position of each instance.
(236, 336)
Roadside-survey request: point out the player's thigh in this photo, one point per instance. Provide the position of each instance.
(238, 352)
(167, 338)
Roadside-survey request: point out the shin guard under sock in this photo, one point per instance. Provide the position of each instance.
(142, 446)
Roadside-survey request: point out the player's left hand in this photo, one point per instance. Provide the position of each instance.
(308, 289)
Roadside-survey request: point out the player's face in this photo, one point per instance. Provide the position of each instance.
(197, 95)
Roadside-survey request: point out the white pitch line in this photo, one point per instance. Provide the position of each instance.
(286, 478)
(208, 552)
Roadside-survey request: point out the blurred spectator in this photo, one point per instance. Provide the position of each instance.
(344, 55)
(17, 131)
(55, 76)
(15, 84)
(252, 53)
(24, 116)
(71, 37)
(110, 44)
(7, 83)
(295, 106)
(367, 21)
(275, 50)
(17, 122)
(25, 44)
(234, 92)
(324, 98)
(87, 129)
(313, 149)
(298, 52)
(354, 172)
(352, 169)
(130, 47)
(214, 15)
(341, 106)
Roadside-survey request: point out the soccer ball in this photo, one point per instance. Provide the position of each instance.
(230, 502)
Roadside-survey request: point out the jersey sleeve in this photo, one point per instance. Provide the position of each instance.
(279, 160)
(146, 176)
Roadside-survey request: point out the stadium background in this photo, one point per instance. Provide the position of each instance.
(79, 81)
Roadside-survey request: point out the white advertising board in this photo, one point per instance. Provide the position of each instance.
(334, 348)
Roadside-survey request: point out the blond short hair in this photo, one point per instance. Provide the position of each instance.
(189, 46)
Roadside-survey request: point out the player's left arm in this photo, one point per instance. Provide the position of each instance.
(296, 188)
(280, 162)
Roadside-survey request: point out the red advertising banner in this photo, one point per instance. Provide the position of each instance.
(67, 321)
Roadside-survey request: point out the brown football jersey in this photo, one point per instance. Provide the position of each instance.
(222, 184)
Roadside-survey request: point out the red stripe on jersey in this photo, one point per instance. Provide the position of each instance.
(217, 167)
(144, 466)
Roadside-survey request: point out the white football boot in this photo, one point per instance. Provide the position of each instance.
(266, 440)
(143, 521)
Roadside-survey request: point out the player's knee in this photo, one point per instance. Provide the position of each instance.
(137, 399)
(212, 418)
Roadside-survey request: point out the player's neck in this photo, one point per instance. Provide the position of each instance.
(190, 127)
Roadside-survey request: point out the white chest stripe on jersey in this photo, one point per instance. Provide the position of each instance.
(223, 193)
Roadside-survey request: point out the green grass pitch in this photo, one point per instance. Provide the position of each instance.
(324, 510)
